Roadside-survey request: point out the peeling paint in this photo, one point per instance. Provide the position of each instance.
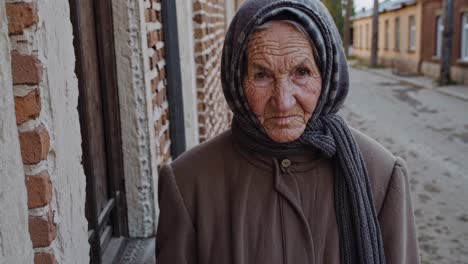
(136, 117)
(15, 245)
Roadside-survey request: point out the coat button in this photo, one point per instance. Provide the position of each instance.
(285, 163)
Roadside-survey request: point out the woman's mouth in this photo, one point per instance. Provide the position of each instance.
(283, 120)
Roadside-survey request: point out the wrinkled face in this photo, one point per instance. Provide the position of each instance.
(283, 82)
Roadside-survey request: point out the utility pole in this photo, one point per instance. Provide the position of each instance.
(346, 29)
(375, 34)
(446, 43)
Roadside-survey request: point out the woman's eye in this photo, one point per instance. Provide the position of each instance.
(260, 75)
(302, 72)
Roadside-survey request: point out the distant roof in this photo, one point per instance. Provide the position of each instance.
(385, 6)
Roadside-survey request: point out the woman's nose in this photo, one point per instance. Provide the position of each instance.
(283, 95)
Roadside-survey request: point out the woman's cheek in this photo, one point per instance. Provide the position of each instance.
(256, 97)
(309, 94)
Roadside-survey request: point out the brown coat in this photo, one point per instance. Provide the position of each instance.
(220, 204)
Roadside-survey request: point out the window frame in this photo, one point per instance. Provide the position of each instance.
(362, 41)
(397, 33)
(464, 37)
(367, 36)
(387, 29)
(439, 35)
(412, 33)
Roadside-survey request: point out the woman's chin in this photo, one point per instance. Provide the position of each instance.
(284, 135)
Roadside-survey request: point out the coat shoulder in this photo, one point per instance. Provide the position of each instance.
(201, 168)
(204, 162)
(206, 155)
(373, 152)
(380, 164)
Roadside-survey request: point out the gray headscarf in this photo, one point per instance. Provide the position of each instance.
(326, 131)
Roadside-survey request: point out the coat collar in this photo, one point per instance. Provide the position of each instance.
(300, 162)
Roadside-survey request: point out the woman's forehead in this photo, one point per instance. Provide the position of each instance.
(277, 40)
(278, 33)
(281, 28)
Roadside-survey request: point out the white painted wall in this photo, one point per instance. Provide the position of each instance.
(51, 40)
(188, 71)
(230, 11)
(15, 244)
(136, 116)
(138, 135)
(59, 92)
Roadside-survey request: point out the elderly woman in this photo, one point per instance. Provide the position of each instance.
(290, 182)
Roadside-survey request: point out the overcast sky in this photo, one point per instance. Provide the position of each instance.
(358, 4)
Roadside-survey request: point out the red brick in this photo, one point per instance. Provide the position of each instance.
(160, 35)
(27, 107)
(45, 258)
(201, 119)
(160, 97)
(158, 16)
(34, 145)
(200, 83)
(154, 85)
(39, 189)
(42, 230)
(20, 16)
(199, 33)
(26, 69)
(200, 47)
(147, 15)
(198, 18)
(152, 38)
(200, 59)
(201, 107)
(152, 15)
(197, 6)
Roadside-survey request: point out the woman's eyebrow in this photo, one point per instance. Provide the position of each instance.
(260, 66)
(306, 62)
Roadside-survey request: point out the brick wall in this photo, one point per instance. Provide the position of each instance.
(45, 92)
(209, 30)
(27, 73)
(431, 10)
(15, 242)
(157, 75)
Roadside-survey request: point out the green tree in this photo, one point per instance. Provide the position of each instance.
(347, 26)
(336, 10)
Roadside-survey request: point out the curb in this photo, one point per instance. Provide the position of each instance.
(441, 90)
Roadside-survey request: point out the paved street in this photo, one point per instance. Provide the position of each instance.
(430, 131)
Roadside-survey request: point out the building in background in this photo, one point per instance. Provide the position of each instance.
(432, 30)
(410, 37)
(103, 93)
(398, 40)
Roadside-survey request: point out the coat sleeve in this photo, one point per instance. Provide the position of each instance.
(175, 238)
(396, 220)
